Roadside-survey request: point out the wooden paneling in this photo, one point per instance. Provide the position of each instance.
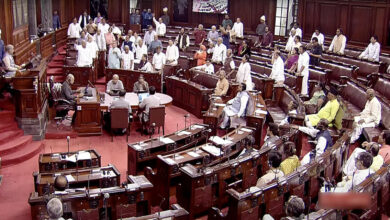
(359, 19)
(114, 11)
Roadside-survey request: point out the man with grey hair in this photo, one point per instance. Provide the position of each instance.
(54, 209)
(100, 40)
(84, 55)
(9, 63)
(67, 91)
(213, 35)
(140, 51)
(369, 117)
(114, 85)
(127, 59)
(219, 54)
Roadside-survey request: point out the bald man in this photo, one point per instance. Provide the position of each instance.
(115, 85)
(369, 117)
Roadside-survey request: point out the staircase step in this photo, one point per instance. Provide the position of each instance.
(59, 58)
(7, 115)
(55, 64)
(15, 145)
(55, 71)
(8, 126)
(7, 135)
(20, 156)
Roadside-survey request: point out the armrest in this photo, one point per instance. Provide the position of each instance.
(62, 100)
(215, 213)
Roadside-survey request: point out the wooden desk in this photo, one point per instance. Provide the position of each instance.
(188, 95)
(57, 162)
(145, 153)
(127, 201)
(133, 100)
(129, 77)
(81, 74)
(102, 177)
(168, 165)
(88, 115)
(177, 213)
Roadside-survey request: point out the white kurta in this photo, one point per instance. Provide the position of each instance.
(219, 53)
(372, 51)
(127, 59)
(371, 115)
(290, 43)
(139, 52)
(320, 146)
(158, 61)
(244, 75)
(147, 67)
(277, 73)
(298, 32)
(100, 41)
(208, 69)
(104, 28)
(303, 61)
(116, 30)
(358, 177)
(238, 28)
(161, 29)
(172, 54)
(93, 48)
(74, 30)
(320, 38)
(84, 56)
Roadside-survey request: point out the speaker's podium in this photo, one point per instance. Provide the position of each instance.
(88, 114)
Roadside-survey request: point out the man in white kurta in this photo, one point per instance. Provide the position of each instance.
(297, 30)
(84, 55)
(238, 28)
(114, 57)
(277, 73)
(103, 26)
(372, 51)
(219, 53)
(338, 43)
(158, 60)
(100, 40)
(291, 41)
(91, 44)
(303, 69)
(244, 73)
(236, 107)
(208, 67)
(369, 117)
(74, 29)
(161, 29)
(319, 36)
(149, 35)
(172, 54)
(140, 50)
(128, 59)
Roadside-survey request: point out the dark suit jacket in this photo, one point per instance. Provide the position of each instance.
(67, 92)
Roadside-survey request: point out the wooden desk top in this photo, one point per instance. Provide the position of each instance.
(133, 100)
(190, 83)
(89, 100)
(61, 157)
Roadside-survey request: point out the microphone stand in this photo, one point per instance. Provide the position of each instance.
(68, 140)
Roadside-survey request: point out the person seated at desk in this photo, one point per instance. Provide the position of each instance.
(323, 139)
(114, 86)
(210, 51)
(172, 54)
(236, 107)
(9, 63)
(291, 163)
(272, 135)
(318, 97)
(274, 172)
(114, 56)
(67, 91)
(141, 85)
(244, 49)
(369, 117)
(154, 44)
(55, 209)
(363, 163)
(222, 85)
(372, 51)
(84, 55)
(145, 65)
(219, 53)
(158, 60)
(140, 51)
(277, 73)
(208, 67)
(200, 55)
(328, 112)
(121, 102)
(127, 59)
(149, 102)
(373, 149)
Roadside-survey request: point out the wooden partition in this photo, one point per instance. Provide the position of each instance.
(129, 77)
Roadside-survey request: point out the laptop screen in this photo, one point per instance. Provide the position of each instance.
(142, 96)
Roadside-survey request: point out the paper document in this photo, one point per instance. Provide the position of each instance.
(178, 157)
(194, 127)
(70, 178)
(219, 141)
(71, 158)
(246, 130)
(193, 154)
(170, 161)
(215, 151)
(84, 155)
(137, 147)
(181, 133)
(259, 111)
(259, 105)
(220, 104)
(166, 140)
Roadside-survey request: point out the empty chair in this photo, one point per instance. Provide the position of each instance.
(120, 119)
(156, 119)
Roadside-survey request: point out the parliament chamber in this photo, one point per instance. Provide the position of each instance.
(194, 109)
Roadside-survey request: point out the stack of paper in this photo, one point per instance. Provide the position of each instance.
(170, 161)
(84, 155)
(220, 104)
(194, 127)
(246, 130)
(193, 154)
(166, 140)
(212, 150)
(70, 178)
(219, 141)
(71, 158)
(259, 111)
(181, 133)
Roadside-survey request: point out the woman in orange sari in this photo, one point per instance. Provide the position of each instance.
(384, 140)
(201, 56)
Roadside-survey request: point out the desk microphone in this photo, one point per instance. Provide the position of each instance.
(68, 139)
(185, 120)
(105, 198)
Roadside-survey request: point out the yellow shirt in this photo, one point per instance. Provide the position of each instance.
(290, 164)
(222, 87)
(328, 112)
(377, 163)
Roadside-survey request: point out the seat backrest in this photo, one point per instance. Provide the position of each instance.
(382, 86)
(119, 118)
(70, 61)
(285, 100)
(157, 116)
(355, 95)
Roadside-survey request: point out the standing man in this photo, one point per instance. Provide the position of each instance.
(114, 56)
(56, 20)
(238, 28)
(226, 21)
(219, 54)
(161, 28)
(154, 44)
(165, 17)
(213, 35)
(84, 18)
(229, 66)
(92, 46)
(137, 17)
(320, 37)
(84, 55)
(268, 38)
(260, 29)
(2, 49)
(91, 27)
(100, 40)
(338, 43)
(183, 40)
(315, 52)
(172, 54)
(158, 60)
(149, 35)
(132, 16)
(370, 116)
(200, 35)
(303, 69)
(277, 73)
(140, 51)
(298, 31)
(74, 29)
(114, 85)
(372, 52)
(244, 73)
(127, 59)
(103, 26)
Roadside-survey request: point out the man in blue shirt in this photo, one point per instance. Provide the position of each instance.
(56, 20)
